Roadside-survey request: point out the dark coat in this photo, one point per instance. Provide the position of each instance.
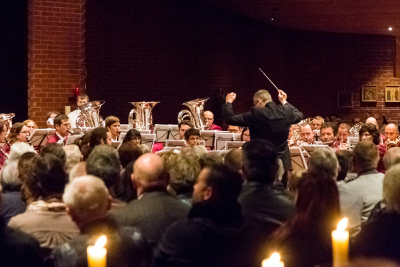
(211, 236)
(265, 205)
(380, 238)
(11, 205)
(153, 212)
(126, 246)
(18, 249)
(271, 122)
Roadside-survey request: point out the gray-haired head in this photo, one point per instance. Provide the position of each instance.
(18, 149)
(324, 160)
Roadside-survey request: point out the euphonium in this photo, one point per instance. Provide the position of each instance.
(90, 114)
(195, 112)
(354, 131)
(141, 117)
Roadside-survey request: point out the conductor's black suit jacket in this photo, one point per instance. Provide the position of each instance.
(271, 122)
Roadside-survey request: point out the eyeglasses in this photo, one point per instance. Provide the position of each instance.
(24, 132)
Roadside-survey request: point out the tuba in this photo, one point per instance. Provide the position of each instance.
(90, 114)
(141, 117)
(195, 112)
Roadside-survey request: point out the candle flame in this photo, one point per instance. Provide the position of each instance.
(342, 224)
(101, 242)
(275, 257)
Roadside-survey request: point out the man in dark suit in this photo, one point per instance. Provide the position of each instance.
(62, 126)
(155, 209)
(266, 120)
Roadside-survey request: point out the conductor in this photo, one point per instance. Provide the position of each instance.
(266, 120)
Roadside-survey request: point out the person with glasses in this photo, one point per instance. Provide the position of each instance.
(369, 132)
(192, 137)
(18, 133)
(31, 125)
(209, 119)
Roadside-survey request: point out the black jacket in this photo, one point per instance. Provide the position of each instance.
(213, 235)
(153, 212)
(18, 249)
(271, 122)
(126, 246)
(267, 206)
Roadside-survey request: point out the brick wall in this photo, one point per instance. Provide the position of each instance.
(175, 51)
(56, 54)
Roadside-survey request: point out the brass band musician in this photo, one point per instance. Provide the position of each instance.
(4, 145)
(343, 132)
(306, 134)
(80, 100)
(113, 125)
(62, 126)
(209, 119)
(328, 135)
(392, 137)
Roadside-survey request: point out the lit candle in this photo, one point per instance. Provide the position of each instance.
(67, 110)
(340, 244)
(97, 254)
(273, 261)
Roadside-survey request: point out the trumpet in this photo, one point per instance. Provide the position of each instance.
(195, 112)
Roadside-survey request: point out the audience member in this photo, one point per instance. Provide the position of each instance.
(128, 152)
(346, 172)
(46, 218)
(369, 181)
(369, 133)
(215, 233)
(183, 172)
(305, 239)
(73, 156)
(12, 203)
(381, 238)
(87, 202)
(17, 248)
(233, 159)
(265, 204)
(324, 162)
(154, 210)
(126, 192)
(209, 160)
(77, 171)
(24, 173)
(55, 150)
(103, 163)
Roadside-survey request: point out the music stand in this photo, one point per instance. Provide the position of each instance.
(311, 148)
(166, 150)
(220, 140)
(148, 140)
(162, 132)
(40, 137)
(236, 136)
(208, 137)
(124, 127)
(116, 144)
(175, 143)
(229, 145)
(173, 132)
(144, 131)
(298, 158)
(71, 139)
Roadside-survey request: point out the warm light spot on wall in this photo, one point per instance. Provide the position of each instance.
(390, 28)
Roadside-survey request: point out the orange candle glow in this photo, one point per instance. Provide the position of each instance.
(273, 261)
(97, 254)
(340, 244)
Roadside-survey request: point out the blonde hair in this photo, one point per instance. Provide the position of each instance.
(391, 188)
(25, 122)
(263, 95)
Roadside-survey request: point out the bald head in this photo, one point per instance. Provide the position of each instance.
(208, 117)
(391, 132)
(148, 170)
(372, 120)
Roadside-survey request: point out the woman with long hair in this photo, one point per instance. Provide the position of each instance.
(134, 137)
(305, 239)
(19, 132)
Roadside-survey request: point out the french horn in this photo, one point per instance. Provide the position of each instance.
(8, 119)
(195, 113)
(141, 117)
(355, 130)
(90, 114)
(395, 143)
